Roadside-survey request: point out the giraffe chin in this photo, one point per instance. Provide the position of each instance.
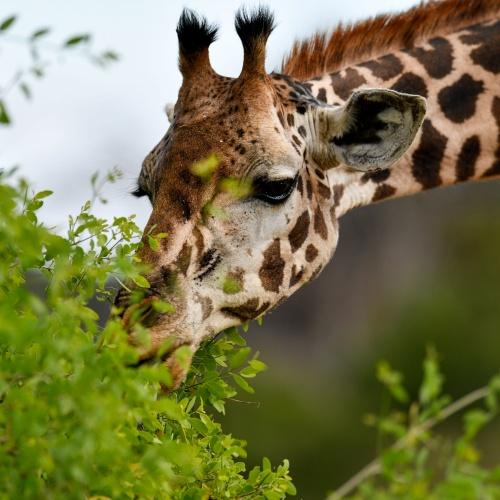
(173, 339)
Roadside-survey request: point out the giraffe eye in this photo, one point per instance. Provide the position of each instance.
(273, 191)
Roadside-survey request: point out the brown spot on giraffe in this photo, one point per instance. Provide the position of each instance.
(299, 232)
(248, 310)
(438, 60)
(271, 272)
(184, 259)
(324, 191)
(383, 191)
(385, 67)
(338, 191)
(428, 156)
(321, 96)
(311, 252)
(319, 223)
(487, 55)
(467, 158)
(376, 176)
(344, 85)
(458, 101)
(411, 84)
(296, 276)
(494, 170)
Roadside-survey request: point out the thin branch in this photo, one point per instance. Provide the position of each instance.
(375, 466)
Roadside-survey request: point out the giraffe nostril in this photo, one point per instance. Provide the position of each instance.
(208, 262)
(122, 298)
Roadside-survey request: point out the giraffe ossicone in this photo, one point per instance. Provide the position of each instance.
(254, 172)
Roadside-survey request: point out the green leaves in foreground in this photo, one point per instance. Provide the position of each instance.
(76, 420)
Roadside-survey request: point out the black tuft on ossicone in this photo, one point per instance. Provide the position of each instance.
(254, 25)
(194, 32)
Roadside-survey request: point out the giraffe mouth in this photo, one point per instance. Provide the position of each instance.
(251, 309)
(143, 313)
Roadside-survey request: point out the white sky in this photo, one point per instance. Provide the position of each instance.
(83, 119)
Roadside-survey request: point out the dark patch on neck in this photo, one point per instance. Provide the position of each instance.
(321, 95)
(382, 192)
(376, 176)
(338, 192)
(411, 84)
(323, 190)
(344, 85)
(494, 170)
(385, 67)
(467, 158)
(438, 61)
(458, 101)
(428, 156)
(487, 55)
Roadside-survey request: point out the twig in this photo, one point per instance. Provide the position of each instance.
(375, 466)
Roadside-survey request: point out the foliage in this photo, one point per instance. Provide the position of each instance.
(419, 464)
(77, 419)
(42, 54)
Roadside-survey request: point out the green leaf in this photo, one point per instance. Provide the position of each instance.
(243, 383)
(153, 243)
(77, 40)
(7, 23)
(163, 307)
(110, 55)
(26, 91)
(392, 379)
(39, 33)
(231, 285)
(239, 357)
(433, 380)
(43, 194)
(4, 116)
(141, 281)
(206, 168)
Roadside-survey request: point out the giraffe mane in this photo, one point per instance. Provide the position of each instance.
(357, 42)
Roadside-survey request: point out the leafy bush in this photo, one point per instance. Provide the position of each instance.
(76, 419)
(421, 465)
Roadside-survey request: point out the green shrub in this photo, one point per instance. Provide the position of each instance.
(415, 463)
(76, 419)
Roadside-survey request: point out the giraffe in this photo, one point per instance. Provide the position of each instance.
(342, 126)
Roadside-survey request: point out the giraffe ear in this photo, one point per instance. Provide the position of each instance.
(372, 130)
(169, 111)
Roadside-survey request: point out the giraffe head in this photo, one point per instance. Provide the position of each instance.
(243, 236)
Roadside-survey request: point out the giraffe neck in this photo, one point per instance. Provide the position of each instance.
(458, 142)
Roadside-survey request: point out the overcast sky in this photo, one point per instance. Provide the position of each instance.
(83, 119)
